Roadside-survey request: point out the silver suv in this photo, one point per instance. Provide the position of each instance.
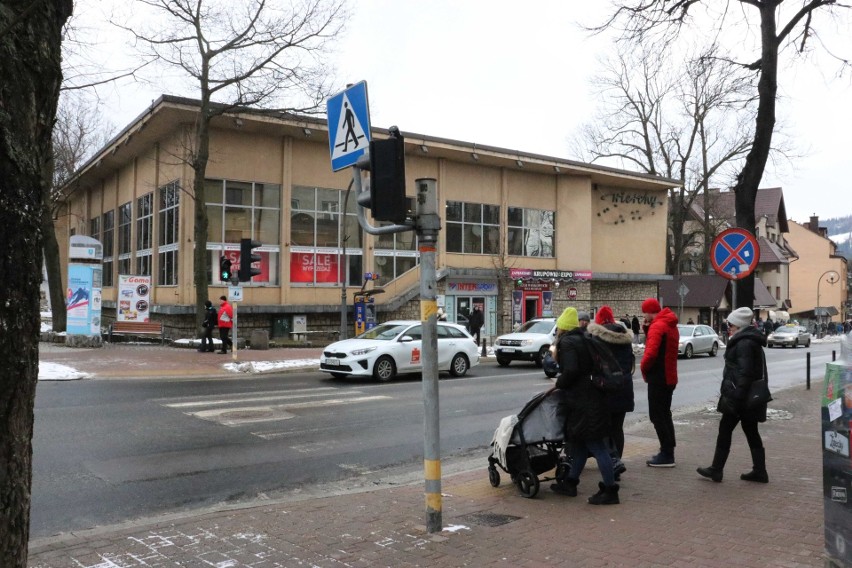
(529, 343)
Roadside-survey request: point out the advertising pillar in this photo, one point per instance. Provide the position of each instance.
(83, 297)
(837, 467)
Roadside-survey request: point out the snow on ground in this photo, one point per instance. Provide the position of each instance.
(57, 372)
(266, 366)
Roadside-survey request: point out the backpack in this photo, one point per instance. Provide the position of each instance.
(606, 372)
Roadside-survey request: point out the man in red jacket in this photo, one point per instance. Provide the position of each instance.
(226, 322)
(659, 370)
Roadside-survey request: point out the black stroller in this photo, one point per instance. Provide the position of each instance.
(529, 443)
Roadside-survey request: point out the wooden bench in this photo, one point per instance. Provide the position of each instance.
(137, 328)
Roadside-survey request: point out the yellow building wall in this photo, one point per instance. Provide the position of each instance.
(809, 272)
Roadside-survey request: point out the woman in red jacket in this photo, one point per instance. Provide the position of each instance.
(226, 322)
(659, 369)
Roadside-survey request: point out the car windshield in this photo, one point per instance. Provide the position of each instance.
(384, 332)
(536, 326)
(787, 330)
(687, 330)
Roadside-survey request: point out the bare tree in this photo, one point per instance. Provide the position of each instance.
(688, 123)
(779, 24)
(254, 53)
(78, 132)
(30, 40)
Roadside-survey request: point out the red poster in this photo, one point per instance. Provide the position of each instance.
(309, 267)
(262, 264)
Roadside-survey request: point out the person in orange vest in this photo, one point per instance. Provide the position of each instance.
(226, 322)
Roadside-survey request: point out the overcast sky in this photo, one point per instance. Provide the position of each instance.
(516, 76)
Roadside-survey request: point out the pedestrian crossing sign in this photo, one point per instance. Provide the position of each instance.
(348, 126)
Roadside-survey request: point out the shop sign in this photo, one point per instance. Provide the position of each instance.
(515, 273)
(465, 286)
(572, 293)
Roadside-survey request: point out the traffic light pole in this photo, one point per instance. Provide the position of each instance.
(427, 224)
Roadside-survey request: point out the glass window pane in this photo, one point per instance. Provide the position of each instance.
(454, 211)
(302, 229)
(327, 230)
(237, 224)
(516, 241)
(516, 217)
(267, 195)
(238, 193)
(491, 214)
(473, 213)
(214, 224)
(385, 242)
(328, 200)
(303, 198)
(355, 270)
(404, 264)
(491, 241)
(473, 239)
(213, 190)
(406, 240)
(266, 226)
(454, 237)
(354, 232)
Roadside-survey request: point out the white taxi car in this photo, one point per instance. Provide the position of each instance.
(396, 347)
(529, 343)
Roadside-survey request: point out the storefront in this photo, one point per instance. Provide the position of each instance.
(463, 295)
(535, 293)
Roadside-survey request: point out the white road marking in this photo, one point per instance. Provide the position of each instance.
(255, 399)
(251, 414)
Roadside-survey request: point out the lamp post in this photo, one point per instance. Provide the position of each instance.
(833, 279)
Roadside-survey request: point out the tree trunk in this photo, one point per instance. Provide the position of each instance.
(748, 180)
(199, 166)
(55, 286)
(30, 41)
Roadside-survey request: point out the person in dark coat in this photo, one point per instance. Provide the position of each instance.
(744, 364)
(207, 326)
(588, 424)
(635, 328)
(475, 323)
(619, 339)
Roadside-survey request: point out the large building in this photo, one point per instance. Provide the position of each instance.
(818, 278)
(523, 235)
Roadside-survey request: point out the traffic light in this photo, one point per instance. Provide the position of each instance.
(387, 178)
(224, 268)
(247, 258)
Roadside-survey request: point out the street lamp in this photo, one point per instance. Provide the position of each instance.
(833, 279)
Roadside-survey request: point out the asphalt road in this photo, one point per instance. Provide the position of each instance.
(108, 451)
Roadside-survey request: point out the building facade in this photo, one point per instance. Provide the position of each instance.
(522, 235)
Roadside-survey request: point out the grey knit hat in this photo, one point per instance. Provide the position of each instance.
(741, 317)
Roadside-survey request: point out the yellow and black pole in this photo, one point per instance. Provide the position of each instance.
(428, 224)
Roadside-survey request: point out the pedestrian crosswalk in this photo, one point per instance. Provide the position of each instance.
(268, 406)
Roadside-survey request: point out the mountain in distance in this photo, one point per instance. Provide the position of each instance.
(840, 231)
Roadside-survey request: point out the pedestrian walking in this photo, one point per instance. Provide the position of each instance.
(475, 322)
(620, 341)
(584, 319)
(210, 317)
(587, 425)
(659, 370)
(745, 363)
(634, 327)
(226, 322)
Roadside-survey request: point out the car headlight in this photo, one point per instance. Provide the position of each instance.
(527, 342)
(362, 351)
(498, 342)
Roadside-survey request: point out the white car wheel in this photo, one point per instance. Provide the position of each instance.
(385, 369)
(459, 365)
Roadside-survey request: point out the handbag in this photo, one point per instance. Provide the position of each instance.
(758, 391)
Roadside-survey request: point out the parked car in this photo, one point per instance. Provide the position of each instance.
(395, 347)
(789, 335)
(695, 339)
(529, 343)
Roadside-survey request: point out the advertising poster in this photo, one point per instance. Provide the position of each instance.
(319, 268)
(83, 300)
(134, 298)
(837, 467)
(517, 305)
(547, 304)
(262, 264)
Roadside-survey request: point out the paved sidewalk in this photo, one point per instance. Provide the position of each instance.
(668, 517)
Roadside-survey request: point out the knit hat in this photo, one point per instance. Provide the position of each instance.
(651, 306)
(568, 320)
(584, 316)
(741, 317)
(604, 316)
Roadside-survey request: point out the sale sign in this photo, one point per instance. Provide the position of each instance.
(319, 268)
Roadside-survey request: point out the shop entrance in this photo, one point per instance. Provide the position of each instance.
(532, 307)
(465, 305)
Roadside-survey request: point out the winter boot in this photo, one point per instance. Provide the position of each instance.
(758, 470)
(607, 495)
(663, 459)
(567, 487)
(714, 472)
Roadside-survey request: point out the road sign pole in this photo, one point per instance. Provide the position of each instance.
(428, 225)
(234, 334)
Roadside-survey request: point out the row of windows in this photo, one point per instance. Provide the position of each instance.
(323, 225)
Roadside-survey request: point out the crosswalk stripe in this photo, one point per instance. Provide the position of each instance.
(213, 402)
(269, 413)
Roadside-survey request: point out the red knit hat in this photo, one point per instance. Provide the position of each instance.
(604, 316)
(651, 306)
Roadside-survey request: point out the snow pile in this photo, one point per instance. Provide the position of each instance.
(57, 372)
(267, 366)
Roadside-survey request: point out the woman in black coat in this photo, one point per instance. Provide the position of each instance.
(588, 424)
(619, 339)
(744, 364)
